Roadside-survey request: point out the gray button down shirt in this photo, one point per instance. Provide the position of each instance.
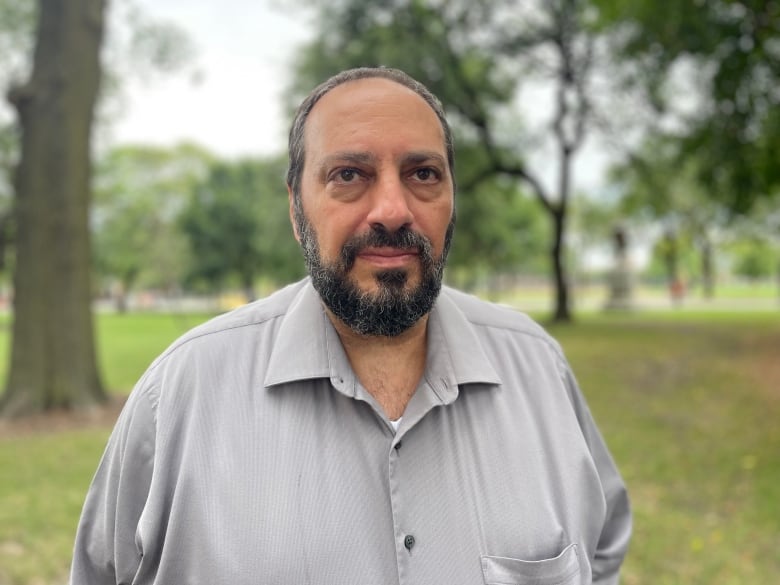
(249, 453)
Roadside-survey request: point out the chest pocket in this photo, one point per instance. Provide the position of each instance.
(561, 570)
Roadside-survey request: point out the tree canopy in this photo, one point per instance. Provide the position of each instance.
(48, 148)
(715, 65)
(237, 224)
(140, 192)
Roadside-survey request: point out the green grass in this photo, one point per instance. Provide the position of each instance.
(689, 404)
(690, 408)
(43, 480)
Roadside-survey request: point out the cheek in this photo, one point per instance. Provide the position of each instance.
(435, 225)
(332, 233)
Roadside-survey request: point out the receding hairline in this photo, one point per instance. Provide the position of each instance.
(344, 86)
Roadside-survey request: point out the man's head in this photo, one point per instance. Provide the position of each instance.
(371, 184)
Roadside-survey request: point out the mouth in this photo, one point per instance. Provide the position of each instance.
(388, 257)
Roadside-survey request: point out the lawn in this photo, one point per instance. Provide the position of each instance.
(689, 404)
(690, 407)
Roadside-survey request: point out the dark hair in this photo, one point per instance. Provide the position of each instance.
(296, 139)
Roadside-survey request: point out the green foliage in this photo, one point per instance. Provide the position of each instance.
(418, 37)
(500, 230)
(140, 191)
(754, 259)
(17, 22)
(730, 49)
(17, 25)
(660, 188)
(678, 250)
(167, 217)
(238, 226)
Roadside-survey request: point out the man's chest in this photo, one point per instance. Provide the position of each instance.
(300, 501)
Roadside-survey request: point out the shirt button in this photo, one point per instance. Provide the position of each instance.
(409, 542)
(398, 446)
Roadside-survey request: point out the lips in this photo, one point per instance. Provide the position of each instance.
(382, 248)
(387, 256)
(388, 252)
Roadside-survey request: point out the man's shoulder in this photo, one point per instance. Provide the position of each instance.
(255, 315)
(487, 315)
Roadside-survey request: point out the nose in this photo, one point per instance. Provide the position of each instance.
(390, 205)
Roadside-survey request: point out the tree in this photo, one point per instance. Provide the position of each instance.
(754, 242)
(140, 192)
(476, 56)
(136, 46)
(53, 357)
(501, 229)
(754, 259)
(658, 187)
(500, 232)
(237, 224)
(727, 114)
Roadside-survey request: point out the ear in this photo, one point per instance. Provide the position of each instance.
(291, 200)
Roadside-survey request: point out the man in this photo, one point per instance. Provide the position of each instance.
(364, 425)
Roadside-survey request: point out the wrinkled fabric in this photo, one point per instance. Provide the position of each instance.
(249, 453)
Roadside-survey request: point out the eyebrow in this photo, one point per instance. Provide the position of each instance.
(424, 156)
(354, 157)
(360, 157)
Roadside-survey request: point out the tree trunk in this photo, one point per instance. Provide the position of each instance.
(674, 282)
(53, 362)
(707, 269)
(562, 312)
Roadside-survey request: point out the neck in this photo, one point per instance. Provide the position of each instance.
(389, 368)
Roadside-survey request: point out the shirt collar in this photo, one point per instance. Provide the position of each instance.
(455, 352)
(301, 351)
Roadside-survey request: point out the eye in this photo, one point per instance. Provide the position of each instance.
(346, 175)
(426, 174)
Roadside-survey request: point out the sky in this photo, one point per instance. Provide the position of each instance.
(233, 107)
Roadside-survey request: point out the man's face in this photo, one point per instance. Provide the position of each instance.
(377, 200)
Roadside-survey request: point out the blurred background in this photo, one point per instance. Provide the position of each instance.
(618, 178)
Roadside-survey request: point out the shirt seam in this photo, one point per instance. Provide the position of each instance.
(176, 345)
(542, 337)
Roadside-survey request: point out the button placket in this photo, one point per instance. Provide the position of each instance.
(404, 540)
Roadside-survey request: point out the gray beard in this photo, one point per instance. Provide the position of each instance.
(393, 308)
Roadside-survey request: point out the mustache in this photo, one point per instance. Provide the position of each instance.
(401, 239)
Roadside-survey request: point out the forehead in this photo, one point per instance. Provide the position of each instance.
(372, 113)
